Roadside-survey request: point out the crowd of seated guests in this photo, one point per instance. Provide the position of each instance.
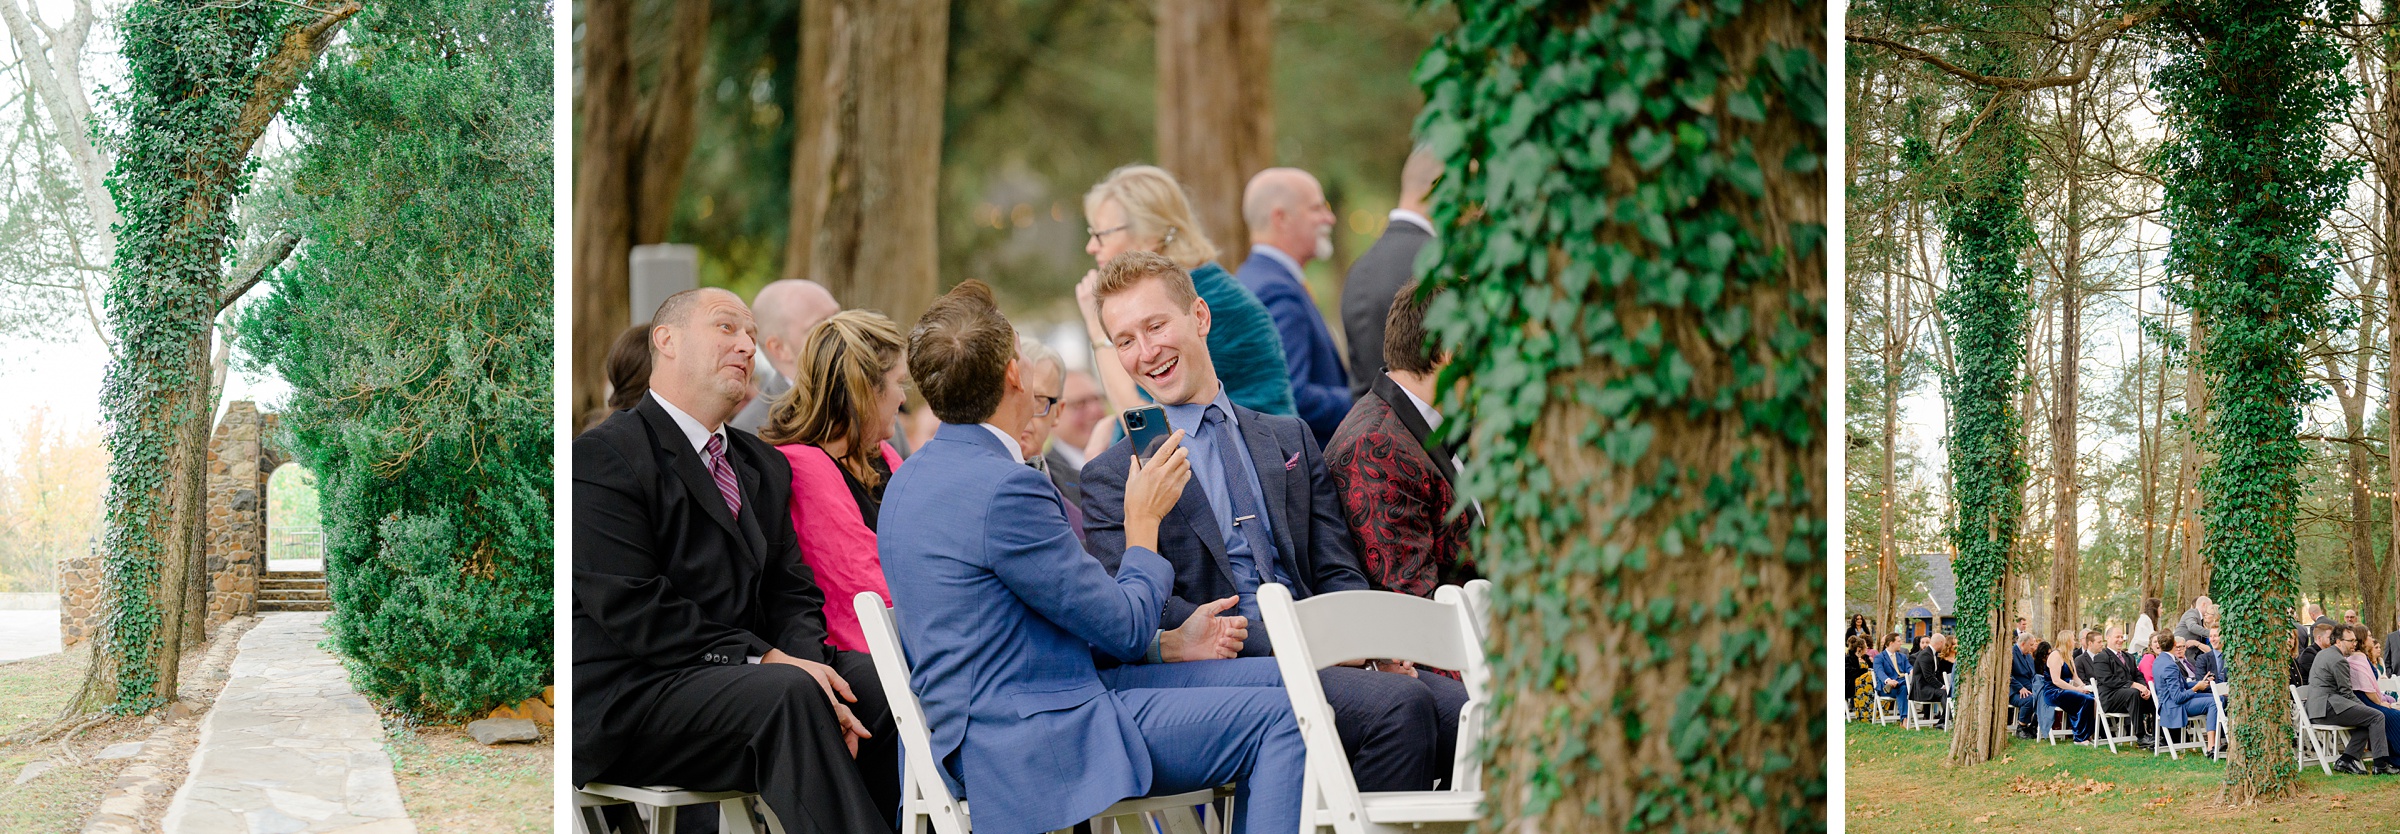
(715, 568)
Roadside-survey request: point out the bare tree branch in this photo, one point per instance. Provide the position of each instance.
(2089, 41)
(266, 258)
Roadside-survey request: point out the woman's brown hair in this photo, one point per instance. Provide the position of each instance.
(841, 366)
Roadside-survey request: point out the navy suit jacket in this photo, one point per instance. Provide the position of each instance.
(1892, 665)
(1001, 614)
(1312, 539)
(1320, 387)
(2174, 692)
(2021, 673)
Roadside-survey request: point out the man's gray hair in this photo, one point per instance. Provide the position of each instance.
(1035, 352)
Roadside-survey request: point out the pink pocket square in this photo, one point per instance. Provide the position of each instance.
(1292, 464)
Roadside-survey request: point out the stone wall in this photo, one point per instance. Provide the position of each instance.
(78, 598)
(237, 512)
(239, 461)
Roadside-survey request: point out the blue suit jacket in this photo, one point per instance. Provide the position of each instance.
(1312, 538)
(2021, 674)
(2174, 691)
(1890, 665)
(1001, 614)
(1320, 385)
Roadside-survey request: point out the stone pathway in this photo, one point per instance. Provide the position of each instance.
(289, 747)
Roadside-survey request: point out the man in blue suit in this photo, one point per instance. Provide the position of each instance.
(1260, 508)
(1290, 225)
(2021, 675)
(1007, 620)
(1890, 665)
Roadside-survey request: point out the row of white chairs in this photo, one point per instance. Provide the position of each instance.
(1446, 632)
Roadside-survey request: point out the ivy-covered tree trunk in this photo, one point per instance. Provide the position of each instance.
(1632, 278)
(1985, 230)
(2251, 88)
(203, 82)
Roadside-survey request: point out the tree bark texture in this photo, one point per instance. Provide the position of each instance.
(1216, 112)
(866, 159)
(2066, 552)
(2192, 574)
(631, 146)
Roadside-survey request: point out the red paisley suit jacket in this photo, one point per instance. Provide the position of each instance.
(1395, 496)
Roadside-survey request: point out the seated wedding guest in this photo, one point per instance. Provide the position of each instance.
(1264, 511)
(1891, 668)
(2332, 700)
(1045, 376)
(1079, 416)
(2120, 686)
(1394, 481)
(1290, 224)
(628, 374)
(1140, 208)
(699, 633)
(1004, 617)
(831, 428)
(2365, 683)
(786, 311)
(2391, 651)
(2311, 615)
(2022, 677)
(2083, 655)
(1858, 660)
(2063, 692)
(1927, 685)
(2184, 691)
(2320, 638)
(1860, 628)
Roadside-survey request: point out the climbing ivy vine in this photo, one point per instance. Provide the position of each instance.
(2251, 89)
(1631, 278)
(203, 78)
(415, 331)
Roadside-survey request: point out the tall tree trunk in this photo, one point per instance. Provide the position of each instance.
(1887, 562)
(2387, 262)
(2066, 552)
(2146, 455)
(2192, 575)
(630, 151)
(866, 160)
(1216, 112)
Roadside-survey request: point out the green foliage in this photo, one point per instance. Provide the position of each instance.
(191, 66)
(415, 331)
(294, 529)
(1615, 275)
(1985, 307)
(2251, 89)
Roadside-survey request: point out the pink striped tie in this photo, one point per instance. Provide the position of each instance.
(718, 469)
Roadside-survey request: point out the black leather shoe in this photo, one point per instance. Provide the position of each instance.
(2387, 769)
(2351, 766)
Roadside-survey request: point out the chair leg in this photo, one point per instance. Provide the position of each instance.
(662, 820)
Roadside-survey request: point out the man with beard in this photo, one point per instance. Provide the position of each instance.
(1290, 225)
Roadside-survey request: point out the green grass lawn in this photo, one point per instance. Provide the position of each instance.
(32, 691)
(1896, 782)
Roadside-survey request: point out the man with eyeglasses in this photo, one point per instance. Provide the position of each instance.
(1044, 378)
(1079, 415)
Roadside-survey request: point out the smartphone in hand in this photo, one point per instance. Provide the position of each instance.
(1147, 427)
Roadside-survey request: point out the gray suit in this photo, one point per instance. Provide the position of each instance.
(1367, 293)
(2332, 702)
(2391, 653)
(771, 386)
(2192, 625)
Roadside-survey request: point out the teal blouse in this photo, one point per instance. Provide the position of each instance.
(1242, 343)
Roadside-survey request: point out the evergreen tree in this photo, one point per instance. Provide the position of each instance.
(415, 330)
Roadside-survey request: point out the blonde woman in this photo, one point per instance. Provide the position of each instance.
(831, 425)
(1141, 208)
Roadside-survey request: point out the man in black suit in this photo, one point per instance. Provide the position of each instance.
(2391, 653)
(1260, 508)
(1384, 268)
(2320, 639)
(1925, 682)
(700, 655)
(2122, 687)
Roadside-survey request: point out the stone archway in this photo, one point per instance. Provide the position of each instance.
(240, 457)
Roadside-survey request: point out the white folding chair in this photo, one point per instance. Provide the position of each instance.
(2059, 728)
(1357, 625)
(925, 800)
(2115, 727)
(1917, 715)
(2224, 723)
(2314, 741)
(1477, 594)
(660, 803)
(2186, 737)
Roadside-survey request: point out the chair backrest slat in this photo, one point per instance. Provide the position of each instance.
(921, 781)
(1358, 625)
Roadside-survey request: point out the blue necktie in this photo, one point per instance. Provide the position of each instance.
(1244, 505)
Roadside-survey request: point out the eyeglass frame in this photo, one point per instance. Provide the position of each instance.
(1098, 234)
(1044, 403)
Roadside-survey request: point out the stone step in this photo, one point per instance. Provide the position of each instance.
(293, 586)
(317, 595)
(265, 605)
(317, 575)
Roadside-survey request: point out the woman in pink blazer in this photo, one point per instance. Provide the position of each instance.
(831, 425)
